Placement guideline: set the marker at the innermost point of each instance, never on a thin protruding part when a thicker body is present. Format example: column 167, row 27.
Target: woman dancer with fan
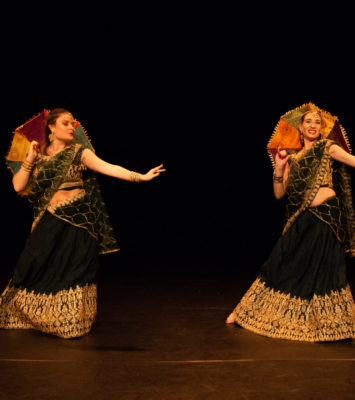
column 53, row 287
column 301, row 292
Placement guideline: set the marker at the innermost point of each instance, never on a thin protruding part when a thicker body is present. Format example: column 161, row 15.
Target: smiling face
column 311, row 126
column 63, row 129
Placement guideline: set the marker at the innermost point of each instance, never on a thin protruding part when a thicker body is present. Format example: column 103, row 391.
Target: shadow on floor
column 164, row 338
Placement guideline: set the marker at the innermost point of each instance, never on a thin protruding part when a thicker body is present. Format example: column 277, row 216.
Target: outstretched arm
column 93, row 162
column 339, row 154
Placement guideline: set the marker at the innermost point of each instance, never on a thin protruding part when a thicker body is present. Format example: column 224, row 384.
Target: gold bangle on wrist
column 27, row 166
column 135, row 177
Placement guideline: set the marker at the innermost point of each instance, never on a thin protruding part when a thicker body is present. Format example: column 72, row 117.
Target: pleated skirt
column 301, row 292
column 53, row 287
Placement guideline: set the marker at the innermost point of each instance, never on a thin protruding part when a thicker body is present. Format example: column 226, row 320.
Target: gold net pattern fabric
column 87, row 210
column 307, row 174
column 47, row 176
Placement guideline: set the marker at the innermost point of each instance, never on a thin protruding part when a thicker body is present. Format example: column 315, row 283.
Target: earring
column 50, row 137
column 301, row 139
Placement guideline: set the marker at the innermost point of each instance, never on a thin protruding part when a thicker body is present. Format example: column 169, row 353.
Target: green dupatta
column 305, row 178
column 87, row 210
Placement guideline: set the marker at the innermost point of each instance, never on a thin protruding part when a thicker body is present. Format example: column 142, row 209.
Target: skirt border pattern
column 327, row 317
column 67, row 313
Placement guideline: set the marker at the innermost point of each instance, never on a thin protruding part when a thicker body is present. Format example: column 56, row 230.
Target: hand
column 153, row 173
column 281, row 159
column 33, row 151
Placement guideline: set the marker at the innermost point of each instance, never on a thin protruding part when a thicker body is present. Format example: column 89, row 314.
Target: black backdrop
column 204, row 102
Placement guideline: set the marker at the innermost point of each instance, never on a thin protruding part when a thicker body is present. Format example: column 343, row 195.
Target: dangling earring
column 50, row 137
column 301, row 139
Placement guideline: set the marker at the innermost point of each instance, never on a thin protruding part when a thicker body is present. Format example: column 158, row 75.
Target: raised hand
column 281, row 159
column 33, row 151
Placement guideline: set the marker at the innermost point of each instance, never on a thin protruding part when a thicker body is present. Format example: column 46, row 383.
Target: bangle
column 27, row 166
column 278, row 179
column 135, row 177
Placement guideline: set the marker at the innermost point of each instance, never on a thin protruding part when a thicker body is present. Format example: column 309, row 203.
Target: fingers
column 35, row 145
column 282, row 159
column 283, row 153
column 155, row 172
column 33, row 151
column 159, row 169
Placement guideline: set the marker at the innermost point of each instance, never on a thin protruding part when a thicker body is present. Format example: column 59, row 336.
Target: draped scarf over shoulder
column 87, row 210
column 305, row 178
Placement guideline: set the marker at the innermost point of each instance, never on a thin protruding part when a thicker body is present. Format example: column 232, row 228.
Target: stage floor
column 164, row 339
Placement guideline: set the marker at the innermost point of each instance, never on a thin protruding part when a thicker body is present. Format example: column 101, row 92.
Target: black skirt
column 301, row 292
column 308, row 260
column 53, row 288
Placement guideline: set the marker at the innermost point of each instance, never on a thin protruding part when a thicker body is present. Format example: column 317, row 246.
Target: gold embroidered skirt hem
column 67, row 313
column 328, row 317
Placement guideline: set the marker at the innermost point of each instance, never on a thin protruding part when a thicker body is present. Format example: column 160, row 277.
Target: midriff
column 62, row 195
column 323, row 194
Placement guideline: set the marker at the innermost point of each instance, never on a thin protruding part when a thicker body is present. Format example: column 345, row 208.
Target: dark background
column 198, row 90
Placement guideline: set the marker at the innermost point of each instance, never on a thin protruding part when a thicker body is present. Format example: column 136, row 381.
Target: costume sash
column 306, row 175
column 87, row 210
column 47, row 176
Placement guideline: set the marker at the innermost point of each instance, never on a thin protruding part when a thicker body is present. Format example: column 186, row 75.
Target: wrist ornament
column 27, row 166
column 135, row 177
column 278, row 179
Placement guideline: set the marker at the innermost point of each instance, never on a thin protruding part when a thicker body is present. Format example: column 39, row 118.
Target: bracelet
column 135, row 177
column 27, row 166
column 278, row 179
column 26, row 169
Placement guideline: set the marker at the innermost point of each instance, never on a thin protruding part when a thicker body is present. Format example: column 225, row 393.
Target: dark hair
column 51, row 119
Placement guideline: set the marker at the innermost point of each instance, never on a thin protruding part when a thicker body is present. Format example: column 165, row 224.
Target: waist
column 331, row 201
column 71, row 185
column 65, row 197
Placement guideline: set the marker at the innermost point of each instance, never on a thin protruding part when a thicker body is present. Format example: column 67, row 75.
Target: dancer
column 53, row 287
column 301, row 292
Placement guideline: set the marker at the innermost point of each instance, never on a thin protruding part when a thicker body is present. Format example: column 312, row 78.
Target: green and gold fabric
column 86, row 210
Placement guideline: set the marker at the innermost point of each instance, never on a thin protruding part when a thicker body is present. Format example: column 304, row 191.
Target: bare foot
column 230, row 319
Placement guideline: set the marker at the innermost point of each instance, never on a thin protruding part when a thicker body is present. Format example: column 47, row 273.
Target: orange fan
column 286, row 134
